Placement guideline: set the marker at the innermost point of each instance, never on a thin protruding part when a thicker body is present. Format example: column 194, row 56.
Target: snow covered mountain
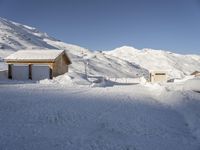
column 176, row 65
column 122, row 62
column 15, row 36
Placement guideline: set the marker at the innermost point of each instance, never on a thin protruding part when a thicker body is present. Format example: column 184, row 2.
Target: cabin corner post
column 9, row 71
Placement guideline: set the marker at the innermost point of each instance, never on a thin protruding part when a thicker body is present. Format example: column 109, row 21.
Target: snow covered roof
column 35, row 55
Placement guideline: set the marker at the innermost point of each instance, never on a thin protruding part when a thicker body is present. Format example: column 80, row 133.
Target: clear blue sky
column 105, row 24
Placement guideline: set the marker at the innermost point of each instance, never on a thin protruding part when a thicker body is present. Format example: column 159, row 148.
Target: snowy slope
column 126, row 62
column 98, row 63
column 175, row 64
column 51, row 117
column 15, row 36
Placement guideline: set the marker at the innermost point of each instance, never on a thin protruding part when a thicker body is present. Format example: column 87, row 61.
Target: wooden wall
column 60, row 66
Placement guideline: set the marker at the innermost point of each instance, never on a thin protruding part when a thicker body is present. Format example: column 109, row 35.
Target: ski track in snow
column 36, row 116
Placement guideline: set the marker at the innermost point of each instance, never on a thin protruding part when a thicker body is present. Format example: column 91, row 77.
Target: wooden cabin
column 196, row 73
column 158, row 76
column 37, row 64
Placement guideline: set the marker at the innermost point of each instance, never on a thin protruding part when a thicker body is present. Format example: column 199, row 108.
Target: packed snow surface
column 192, row 84
column 135, row 117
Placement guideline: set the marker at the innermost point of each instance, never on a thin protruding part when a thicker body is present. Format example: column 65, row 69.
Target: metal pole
column 85, row 63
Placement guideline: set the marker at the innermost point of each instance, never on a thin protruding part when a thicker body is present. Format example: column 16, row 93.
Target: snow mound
column 62, row 79
column 183, row 79
column 192, row 84
column 102, row 82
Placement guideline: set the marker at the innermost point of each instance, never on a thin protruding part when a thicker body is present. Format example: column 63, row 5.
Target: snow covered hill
column 15, row 36
column 176, row 65
column 123, row 62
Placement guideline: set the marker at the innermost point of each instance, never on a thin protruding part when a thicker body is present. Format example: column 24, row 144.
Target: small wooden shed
column 196, row 73
column 37, row 64
column 158, row 76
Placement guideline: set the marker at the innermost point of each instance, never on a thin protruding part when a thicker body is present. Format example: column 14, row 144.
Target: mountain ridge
column 177, row 65
column 15, row 36
column 125, row 61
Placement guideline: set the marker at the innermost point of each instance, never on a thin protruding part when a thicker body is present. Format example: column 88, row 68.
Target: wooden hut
column 37, row 64
column 158, row 76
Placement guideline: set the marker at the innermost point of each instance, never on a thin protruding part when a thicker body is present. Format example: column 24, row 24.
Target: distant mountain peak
column 126, row 49
column 177, row 65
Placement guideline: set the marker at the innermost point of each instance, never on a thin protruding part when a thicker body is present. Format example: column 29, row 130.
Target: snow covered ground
column 121, row 117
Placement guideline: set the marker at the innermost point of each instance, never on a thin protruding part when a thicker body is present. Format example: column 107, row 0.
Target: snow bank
column 108, row 82
column 62, row 79
column 183, row 79
column 192, row 84
column 155, row 89
column 101, row 82
column 68, row 79
column 126, row 80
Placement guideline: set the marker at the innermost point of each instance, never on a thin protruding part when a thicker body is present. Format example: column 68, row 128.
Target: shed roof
column 35, row 55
